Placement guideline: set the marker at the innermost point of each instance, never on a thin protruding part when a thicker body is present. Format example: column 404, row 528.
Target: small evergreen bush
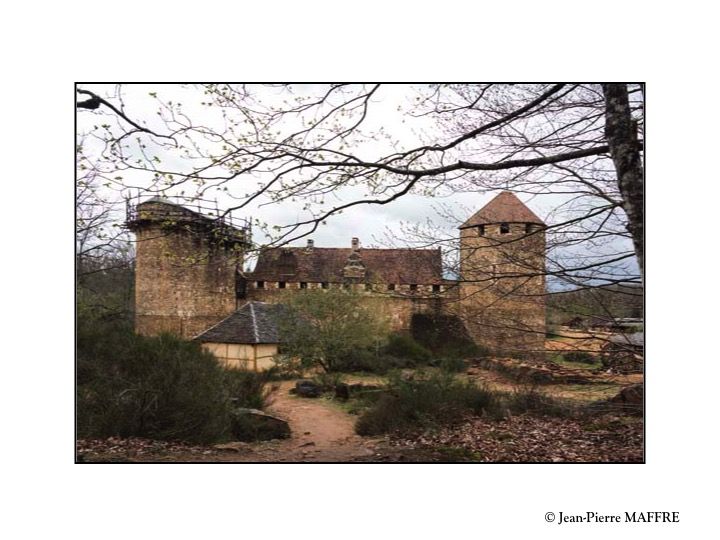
column 579, row 356
column 156, row 387
column 372, row 361
column 528, row 399
column 439, row 398
column 443, row 399
column 453, row 364
column 404, row 346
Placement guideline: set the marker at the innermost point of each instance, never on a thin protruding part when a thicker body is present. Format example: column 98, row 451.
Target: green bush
column 404, row 346
column 443, row 335
column 156, row 387
column 528, row 399
column 579, row 356
column 438, row 398
column 453, row 364
column 441, row 399
column 328, row 381
column 373, row 361
column 324, row 327
column 247, row 389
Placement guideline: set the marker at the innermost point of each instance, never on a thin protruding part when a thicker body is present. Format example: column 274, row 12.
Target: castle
column 189, row 274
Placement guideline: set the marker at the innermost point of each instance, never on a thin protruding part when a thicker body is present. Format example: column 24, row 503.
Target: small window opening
column 504, row 228
column 436, row 288
column 481, row 230
column 260, row 284
column 413, row 286
column 368, row 287
column 303, row 285
column 281, row 284
column 324, row 284
column 391, row 286
column 528, row 228
column 346, row 285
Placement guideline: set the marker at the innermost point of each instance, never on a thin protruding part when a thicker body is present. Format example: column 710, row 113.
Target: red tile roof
column 400, row 266
column 505, row 208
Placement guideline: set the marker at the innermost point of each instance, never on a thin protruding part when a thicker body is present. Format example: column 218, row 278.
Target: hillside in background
column 610, row 302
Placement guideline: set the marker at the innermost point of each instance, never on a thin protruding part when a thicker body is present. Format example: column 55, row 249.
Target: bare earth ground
column 577, row 340
column 320, row 432
column 323, row 432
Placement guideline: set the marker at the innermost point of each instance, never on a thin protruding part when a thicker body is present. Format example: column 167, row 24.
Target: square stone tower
column 502, row 277
column 186, row 270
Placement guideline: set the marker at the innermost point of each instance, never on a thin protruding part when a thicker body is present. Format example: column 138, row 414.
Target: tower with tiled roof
column 502, row 276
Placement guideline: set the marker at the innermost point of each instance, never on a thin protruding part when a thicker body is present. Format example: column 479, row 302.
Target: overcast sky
column 366, row 222
column 375, row 225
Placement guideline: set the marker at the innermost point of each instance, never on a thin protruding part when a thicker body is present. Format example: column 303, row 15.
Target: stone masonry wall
column 502, row 287
column 185, row 280
column 397, row 307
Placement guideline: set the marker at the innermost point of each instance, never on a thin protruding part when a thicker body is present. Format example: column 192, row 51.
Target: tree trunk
column 621, row 134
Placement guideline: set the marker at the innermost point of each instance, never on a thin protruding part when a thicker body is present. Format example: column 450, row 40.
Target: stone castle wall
column 186, row 281
column 502, row 287
column 185, row 275
column 397, row 307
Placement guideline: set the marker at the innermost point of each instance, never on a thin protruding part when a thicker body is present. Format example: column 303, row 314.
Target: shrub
column 443, row 335
column 247, row 389
column 442, row 399
column 156, row 387
column 373, row 362
column 404, row 346
column 453, row 364
column 439, row 398
column 528, row 399
column 288, row 367
column 322, row 327
column 328, row 381
column 579, row 356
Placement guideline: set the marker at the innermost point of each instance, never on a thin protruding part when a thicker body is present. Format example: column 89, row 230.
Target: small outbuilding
column 247, row 339
column 623, row 353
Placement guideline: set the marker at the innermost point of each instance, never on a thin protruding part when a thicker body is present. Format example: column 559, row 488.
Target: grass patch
column 567, row 360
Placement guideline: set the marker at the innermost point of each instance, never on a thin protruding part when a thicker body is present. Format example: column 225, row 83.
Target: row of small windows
column 505, row 229
column 326, row 285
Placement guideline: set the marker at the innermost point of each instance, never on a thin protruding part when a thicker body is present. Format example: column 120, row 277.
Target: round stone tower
column 502, row 277
column 186, row 269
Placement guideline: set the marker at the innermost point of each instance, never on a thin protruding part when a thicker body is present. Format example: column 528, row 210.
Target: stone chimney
column 310, row 244
column 355, row 244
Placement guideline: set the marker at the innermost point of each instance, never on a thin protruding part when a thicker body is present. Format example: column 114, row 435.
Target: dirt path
column 320, row 432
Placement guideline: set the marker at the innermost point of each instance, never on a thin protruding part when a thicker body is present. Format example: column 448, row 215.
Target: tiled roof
column 255, row 322
column 400, row 266
column 505, row 208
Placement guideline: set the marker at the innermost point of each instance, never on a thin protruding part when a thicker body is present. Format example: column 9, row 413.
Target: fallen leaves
column 128, row 449
column 528, row 439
